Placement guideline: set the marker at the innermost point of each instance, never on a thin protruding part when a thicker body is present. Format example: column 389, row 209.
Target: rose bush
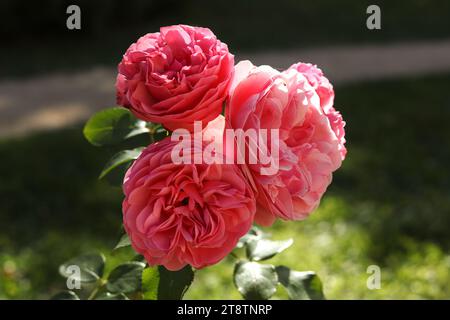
column 175, row 77
column 178, row 215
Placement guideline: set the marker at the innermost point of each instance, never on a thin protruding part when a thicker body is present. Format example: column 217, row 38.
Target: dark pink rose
column 175, row 77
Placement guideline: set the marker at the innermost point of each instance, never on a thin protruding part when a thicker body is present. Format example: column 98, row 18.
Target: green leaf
column 126, row 277
column 139, row 258
column 65, row 295
column 123, row 242
column 111, row 296
column 255, row 281
column 116, row 176
column 150, row 283
column 263, row 249
column 174, row 284
column 112, row 126
column 159, row 133
column 300, row 285
column 119, row 159
column 253, row 233
column 91, row 267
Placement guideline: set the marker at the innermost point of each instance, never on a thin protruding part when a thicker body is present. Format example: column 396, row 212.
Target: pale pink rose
column 264, row 98
column 324, row 89
column 175, row 77
column 178, row 214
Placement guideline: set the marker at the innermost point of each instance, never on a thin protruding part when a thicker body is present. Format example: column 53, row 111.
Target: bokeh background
column 389, row 204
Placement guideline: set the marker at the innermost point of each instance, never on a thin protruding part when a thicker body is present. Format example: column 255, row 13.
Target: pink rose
column 175, row 77
column 263, row 98
column 178, row 214
column 325, row 91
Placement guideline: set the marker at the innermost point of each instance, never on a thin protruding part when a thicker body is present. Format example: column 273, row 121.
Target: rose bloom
column 175, row 77
column 324, row 89
column 178, row 214
column 309, row 147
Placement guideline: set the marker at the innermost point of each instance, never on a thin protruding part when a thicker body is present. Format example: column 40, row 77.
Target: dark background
column 36, row 30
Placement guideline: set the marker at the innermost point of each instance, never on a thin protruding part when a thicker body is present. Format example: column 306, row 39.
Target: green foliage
column 150, row 283
column 300, row 285
column 126, row 277
column 262, row 249
column 91, row 267
column 174, row 284
column 255, row 281
column 123, row 242
column 112, row 126
column 125, row 280
column 253, row 233
column 120, row 158
column 260, row 281
column 65, row 295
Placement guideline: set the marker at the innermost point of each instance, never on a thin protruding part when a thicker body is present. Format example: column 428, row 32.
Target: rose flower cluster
column 195, row 213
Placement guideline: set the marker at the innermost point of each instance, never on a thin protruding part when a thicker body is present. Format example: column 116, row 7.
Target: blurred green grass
column 389, row 204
